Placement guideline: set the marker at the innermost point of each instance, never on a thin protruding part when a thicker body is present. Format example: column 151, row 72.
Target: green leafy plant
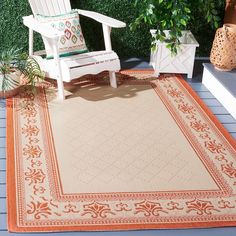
column 175, row 16
column 14, row 61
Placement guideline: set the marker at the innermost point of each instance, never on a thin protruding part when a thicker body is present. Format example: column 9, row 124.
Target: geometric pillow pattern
column 72, row 42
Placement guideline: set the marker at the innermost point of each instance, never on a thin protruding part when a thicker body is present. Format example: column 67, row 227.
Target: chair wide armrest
column 102, row 19
column 42, row 29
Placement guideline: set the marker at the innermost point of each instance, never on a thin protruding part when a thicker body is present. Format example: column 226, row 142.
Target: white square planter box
column 163, row 62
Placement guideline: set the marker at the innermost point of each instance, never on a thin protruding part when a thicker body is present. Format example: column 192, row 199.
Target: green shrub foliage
column 125, row 42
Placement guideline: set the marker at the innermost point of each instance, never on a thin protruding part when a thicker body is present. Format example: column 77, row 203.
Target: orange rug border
column 212, row 117
column 11, row 187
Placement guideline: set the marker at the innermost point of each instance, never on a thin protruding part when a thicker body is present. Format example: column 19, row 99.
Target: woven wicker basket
column 223, row 52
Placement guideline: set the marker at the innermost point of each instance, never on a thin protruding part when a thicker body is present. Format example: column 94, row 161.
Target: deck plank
column 3, row 208
column 2, row 113
column 205, row 95
column 226, row 119
column 233, row 135
column 198, row 87
column 3, row 222
column 2, row 122
column 2, row 192
column 3, row 132
column 219, row 111
column 2, row 178
column 2, row 164
column 230, row 127
column 212, row 102
column 2, row 152
column 2, row 142
column 2, row 103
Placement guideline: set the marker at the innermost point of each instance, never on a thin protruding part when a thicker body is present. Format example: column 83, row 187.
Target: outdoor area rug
column 146, row 155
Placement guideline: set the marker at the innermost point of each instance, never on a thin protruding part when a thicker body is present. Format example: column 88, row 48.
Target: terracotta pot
column 230, row 12
column 9, row 93
column 223, row 51
column 14, row 89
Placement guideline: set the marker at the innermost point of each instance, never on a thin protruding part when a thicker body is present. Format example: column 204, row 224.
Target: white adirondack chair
column 71, row 67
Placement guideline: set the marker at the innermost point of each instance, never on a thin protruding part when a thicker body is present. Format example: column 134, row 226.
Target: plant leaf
column 187, row 10
column 183, row 22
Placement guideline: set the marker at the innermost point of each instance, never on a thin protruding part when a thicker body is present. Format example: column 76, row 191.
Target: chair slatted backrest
column 50, row 7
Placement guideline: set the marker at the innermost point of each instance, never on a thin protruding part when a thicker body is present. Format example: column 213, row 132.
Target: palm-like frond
column 31, row 70
column 12, row 60
column 8, row 56
column 9, row 83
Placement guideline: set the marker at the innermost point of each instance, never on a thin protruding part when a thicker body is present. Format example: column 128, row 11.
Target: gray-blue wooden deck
column 220, row 112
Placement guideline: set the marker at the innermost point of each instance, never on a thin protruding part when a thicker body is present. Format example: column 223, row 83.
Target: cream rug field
column 146, row 155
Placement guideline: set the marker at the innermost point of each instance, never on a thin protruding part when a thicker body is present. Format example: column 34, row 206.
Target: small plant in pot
column 175, row 16
column 17, row 68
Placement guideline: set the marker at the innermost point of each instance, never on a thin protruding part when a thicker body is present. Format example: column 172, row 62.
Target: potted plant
column 173, row 46
column 17, row 68
column 175, row 16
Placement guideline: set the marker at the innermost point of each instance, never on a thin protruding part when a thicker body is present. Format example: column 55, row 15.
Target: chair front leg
column 54, row 45
column 108, row 47
column 113, row 81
